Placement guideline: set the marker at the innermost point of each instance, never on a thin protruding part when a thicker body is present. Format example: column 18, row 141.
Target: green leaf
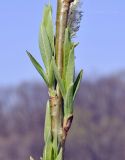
column 67, row 47
column 51, row 75
column 45, row 47
column 55, row 147
column 47, row 154
column 70, row 68
column 38, row 67
column 58, row 78
column 68, row 101
column 47, row 126
column 59, row 157
column 48, row 23
column 77, row 83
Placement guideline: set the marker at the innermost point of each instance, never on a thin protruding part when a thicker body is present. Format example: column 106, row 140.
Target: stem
column 61, row 24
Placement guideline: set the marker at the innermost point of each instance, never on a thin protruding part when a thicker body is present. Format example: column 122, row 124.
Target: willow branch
column 61, row 24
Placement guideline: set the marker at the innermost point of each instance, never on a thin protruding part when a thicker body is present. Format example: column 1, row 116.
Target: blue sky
column 102, row 38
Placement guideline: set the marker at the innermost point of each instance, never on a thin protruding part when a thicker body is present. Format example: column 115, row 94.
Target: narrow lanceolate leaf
column 58, row 78
column 70, row 68
column 48, row 23
column 66, row 48
column 55, row 147
column 38, row 68
column 68, row 102
column 51, row 75
column 59, row 157
column 45, row 47
column 77, row 83
column 47, row 127
column 47, row 153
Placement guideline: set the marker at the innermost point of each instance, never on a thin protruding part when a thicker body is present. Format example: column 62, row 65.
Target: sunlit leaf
column 47, row 153
column 70, row 68
column 48, row 23
column 55, row 147
column 47, row 127
column 59, row 157
column 38, row 68
column 51, row 74
column 66, row 48
column 45, row 47
column 68, row 101
column 58, row 78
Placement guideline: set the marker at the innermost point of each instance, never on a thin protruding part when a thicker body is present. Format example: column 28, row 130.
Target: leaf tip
column 28, row 53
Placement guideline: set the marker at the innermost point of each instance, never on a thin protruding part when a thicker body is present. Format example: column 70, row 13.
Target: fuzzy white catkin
column 74, row 17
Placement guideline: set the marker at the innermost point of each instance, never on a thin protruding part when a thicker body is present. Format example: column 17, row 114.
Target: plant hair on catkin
column 74, row 17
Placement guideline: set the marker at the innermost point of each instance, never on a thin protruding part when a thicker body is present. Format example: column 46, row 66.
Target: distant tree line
column 98, row 132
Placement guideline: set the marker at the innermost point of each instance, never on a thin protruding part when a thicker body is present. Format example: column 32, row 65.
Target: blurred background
column 98, row 130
